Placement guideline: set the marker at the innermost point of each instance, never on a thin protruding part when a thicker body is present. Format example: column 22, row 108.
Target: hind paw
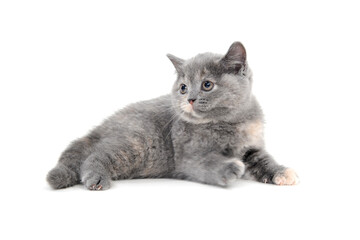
column 96, row 187
column 96, row 182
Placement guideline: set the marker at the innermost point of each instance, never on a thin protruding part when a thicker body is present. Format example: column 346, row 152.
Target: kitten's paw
column 286, row 177
column 234, row 169
column 96, row 182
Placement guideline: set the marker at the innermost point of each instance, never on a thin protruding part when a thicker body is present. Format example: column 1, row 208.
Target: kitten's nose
column 191, row 101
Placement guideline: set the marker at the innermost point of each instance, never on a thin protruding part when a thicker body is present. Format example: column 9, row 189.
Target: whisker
column 178, row 116
column 171, row 119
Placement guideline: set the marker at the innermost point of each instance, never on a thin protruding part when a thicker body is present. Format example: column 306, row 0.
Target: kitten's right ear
column 177, row 62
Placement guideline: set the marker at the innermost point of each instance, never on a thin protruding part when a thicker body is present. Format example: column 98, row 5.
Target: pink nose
column 191, row 101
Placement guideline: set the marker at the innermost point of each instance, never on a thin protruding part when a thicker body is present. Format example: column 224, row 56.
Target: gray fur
column 212, row 141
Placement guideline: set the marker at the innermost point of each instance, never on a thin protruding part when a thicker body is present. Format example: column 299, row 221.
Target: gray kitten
column 209, row 130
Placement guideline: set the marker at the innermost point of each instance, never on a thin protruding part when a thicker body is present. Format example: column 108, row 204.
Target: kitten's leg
column 214, row 169
column 67, row 171
column 263, row 168
column 95, row 173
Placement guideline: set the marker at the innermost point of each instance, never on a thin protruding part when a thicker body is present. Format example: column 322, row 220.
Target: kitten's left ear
column 177, row 62
column 235, row 58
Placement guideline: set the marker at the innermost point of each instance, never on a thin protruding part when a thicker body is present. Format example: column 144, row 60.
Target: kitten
column 209, row 130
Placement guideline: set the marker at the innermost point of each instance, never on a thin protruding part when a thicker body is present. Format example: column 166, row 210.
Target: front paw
column 233, row 169
column 286, row 177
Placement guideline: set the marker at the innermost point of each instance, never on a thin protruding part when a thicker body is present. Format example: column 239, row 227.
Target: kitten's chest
column 220, row 137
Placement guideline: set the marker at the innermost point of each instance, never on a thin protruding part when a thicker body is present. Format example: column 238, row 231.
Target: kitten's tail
column 62, row 177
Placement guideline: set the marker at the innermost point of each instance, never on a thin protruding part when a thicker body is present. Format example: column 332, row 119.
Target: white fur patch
column 194, row 118
column 187, row 108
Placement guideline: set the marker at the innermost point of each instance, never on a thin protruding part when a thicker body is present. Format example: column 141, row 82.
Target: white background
column 67, row 65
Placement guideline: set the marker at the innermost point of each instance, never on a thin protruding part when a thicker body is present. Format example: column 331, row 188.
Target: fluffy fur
column 208, row 130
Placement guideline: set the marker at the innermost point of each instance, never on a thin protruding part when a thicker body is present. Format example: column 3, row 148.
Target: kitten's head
column 211, row 87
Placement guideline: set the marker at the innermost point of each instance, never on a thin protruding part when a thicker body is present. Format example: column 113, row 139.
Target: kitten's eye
column 207, row 85
column 183, row 89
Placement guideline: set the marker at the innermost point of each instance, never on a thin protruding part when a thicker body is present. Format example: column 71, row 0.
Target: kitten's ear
column 235, row 58
column 177, row 62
